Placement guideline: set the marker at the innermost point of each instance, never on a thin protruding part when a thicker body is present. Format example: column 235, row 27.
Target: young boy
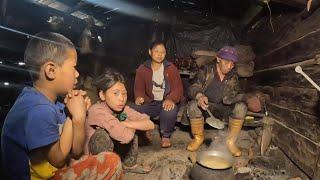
column 38, row 137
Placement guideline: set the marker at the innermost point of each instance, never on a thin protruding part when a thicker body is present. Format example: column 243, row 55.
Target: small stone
column 241, row 162
column 295, row 178
column 253, row 134
column 243, row 170
column 245, row 143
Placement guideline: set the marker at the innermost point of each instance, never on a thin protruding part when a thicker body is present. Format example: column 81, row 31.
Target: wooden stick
column 291, row 42
column 315, row 61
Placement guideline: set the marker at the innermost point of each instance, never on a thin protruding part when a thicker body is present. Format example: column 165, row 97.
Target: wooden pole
column 3, row 9
column 315, row 61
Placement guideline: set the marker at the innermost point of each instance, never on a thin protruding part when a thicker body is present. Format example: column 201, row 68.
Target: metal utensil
column 266, row 131
column 214, row 122
column 216, row 159
column 299, row 70
column 266, row 134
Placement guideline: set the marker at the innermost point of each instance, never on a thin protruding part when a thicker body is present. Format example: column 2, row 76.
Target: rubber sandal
column 165, row 143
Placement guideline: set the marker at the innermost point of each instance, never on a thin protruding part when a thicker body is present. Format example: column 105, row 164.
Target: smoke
column 219, row 142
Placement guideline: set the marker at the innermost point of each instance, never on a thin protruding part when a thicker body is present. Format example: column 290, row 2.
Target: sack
column 245, row 69
column 254, row 104
column 199, row 53
column 203, row 60
column 245, row 53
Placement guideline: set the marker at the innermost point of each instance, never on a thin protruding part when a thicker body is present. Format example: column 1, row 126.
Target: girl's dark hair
column 157, row 42
column 107, row 79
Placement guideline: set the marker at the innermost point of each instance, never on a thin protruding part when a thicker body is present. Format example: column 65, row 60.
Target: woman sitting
column 158, row 90
column 111, row 125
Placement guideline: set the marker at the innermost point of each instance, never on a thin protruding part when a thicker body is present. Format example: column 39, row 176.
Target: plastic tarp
column 208, row 37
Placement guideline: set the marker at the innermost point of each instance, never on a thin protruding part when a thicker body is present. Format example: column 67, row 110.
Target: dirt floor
column 177, row 163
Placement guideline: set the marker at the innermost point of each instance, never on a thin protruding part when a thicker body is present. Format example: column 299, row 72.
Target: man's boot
column 235, row 126
column 197, row 128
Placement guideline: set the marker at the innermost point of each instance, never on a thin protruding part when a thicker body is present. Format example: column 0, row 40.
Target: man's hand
column 202, row 101
column 168, row 105
column 139, row 101
column 77, row 105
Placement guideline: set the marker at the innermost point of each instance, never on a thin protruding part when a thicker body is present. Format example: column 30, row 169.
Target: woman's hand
column 168, row 105
column 139, row 101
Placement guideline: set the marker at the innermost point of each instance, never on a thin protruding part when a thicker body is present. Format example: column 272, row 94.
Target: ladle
column 299, row 70
column 214, row 122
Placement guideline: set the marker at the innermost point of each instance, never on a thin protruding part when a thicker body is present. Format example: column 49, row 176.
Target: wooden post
column 3, row 8
column 250, row 15
column 316, row 174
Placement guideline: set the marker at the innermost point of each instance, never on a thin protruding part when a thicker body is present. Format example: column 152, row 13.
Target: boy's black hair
column 156, row 42
column 107, row 79
column 44, row 47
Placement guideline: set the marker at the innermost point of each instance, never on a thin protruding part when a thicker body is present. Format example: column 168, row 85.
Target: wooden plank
column 294, row 3
column 3, row 8
column 316, row 174
column 287, row 77
column 251, row 14
column 305, row 47
column 303, row 123
column 290, row 89
column 300, row 150
column 301, row 99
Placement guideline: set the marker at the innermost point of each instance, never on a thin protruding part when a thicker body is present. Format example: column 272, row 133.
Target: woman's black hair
column 157, row 42
column 107, row 79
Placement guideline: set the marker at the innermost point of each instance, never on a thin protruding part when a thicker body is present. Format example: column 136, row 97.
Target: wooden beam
column 251, row 14
column 316, row 174
column 76, row 7
column 305, row 47
column 3, row 8
column 287, row 77
column 300, row 99
column 12, row 46
column 293, row 3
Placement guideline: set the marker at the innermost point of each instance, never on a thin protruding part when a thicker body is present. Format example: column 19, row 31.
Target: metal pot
column 216, row 159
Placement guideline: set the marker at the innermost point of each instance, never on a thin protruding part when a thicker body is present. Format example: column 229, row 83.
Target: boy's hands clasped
column 77, row 103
